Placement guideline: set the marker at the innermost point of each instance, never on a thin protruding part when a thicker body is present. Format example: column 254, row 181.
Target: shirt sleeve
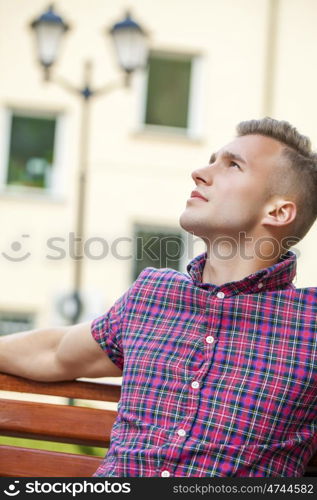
column 106, row 330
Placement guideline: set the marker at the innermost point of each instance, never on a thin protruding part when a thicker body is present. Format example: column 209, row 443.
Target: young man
column 220, row 364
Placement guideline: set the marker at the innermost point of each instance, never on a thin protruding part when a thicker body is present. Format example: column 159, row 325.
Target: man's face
column 235, row 185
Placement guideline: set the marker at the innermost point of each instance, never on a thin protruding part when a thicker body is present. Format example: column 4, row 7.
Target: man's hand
column 63, row 353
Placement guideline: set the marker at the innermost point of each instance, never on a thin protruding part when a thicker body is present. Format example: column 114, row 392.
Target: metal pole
column 81, row 192
column 270, row 57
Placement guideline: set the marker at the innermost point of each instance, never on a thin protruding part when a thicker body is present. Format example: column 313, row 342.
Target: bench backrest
column 62, row 423
column 54, row 422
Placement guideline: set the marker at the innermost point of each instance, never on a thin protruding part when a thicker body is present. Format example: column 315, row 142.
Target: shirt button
column 209, row 339
column 195, row 384
column 260, row 285
column 181, row 432
column 165, row 473
column 220, row 295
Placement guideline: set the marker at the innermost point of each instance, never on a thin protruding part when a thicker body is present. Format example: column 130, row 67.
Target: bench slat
column 67, row 424
column 26, row 462
column 75, row 389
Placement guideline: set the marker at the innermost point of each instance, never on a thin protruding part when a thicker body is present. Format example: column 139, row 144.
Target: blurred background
column 113, row 167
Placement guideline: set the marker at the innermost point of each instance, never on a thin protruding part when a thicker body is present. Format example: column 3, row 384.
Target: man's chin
column 190, row 226
column 185, row 223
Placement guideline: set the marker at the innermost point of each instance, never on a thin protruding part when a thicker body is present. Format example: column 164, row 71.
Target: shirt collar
column 276, row 277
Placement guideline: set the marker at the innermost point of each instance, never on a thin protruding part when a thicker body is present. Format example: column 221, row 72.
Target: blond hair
column 296, row 175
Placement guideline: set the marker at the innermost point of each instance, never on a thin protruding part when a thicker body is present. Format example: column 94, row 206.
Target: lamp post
column 131, row 48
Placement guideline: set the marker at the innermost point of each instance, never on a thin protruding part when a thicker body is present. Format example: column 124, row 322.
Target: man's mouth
column 197, row 194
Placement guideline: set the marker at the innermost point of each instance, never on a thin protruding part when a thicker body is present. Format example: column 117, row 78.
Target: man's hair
column 296, row 175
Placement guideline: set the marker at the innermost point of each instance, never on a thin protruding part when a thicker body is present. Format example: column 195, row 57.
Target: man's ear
column 279, row 213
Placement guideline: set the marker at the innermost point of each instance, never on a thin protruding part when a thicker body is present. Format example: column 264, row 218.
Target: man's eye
column 234, row 164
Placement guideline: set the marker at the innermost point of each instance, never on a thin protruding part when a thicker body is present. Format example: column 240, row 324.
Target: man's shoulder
column 157, row 282
column 304, row 295
column 157, row 276
column 305, row 291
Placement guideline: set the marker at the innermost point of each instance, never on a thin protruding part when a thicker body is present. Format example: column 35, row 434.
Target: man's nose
column 203, row 175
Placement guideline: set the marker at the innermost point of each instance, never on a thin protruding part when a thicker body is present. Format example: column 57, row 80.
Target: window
column 173, row 93
column 11, row 322
column 157, row 247
column 31, row 151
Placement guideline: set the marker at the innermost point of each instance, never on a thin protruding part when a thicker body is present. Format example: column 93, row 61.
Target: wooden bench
column 62, row 423
column 54, row 422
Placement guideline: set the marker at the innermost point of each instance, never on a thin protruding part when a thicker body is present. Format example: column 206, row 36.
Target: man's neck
column 229, row 262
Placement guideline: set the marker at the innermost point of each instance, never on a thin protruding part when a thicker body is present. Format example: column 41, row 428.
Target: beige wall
column 136, row 175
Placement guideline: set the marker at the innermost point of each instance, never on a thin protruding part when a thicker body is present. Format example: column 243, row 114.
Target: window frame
column 152, row 227
column 194, row 127
column 30, row 318
column 57, row 187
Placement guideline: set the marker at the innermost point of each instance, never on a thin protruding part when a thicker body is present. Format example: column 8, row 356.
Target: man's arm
column 62, row 353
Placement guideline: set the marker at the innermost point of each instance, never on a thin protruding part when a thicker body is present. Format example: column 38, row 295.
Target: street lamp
column 130, row 42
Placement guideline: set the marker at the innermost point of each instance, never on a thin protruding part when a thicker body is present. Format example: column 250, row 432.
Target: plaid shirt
column 217, row 380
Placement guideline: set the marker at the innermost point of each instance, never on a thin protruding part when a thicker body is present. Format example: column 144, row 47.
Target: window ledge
column 158, row 132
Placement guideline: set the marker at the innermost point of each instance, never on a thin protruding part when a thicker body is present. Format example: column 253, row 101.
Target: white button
column 165, row 473
column 220, row 295
column 181, row 432
column 209, row 339
column 195, row 384
column 260, row 285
